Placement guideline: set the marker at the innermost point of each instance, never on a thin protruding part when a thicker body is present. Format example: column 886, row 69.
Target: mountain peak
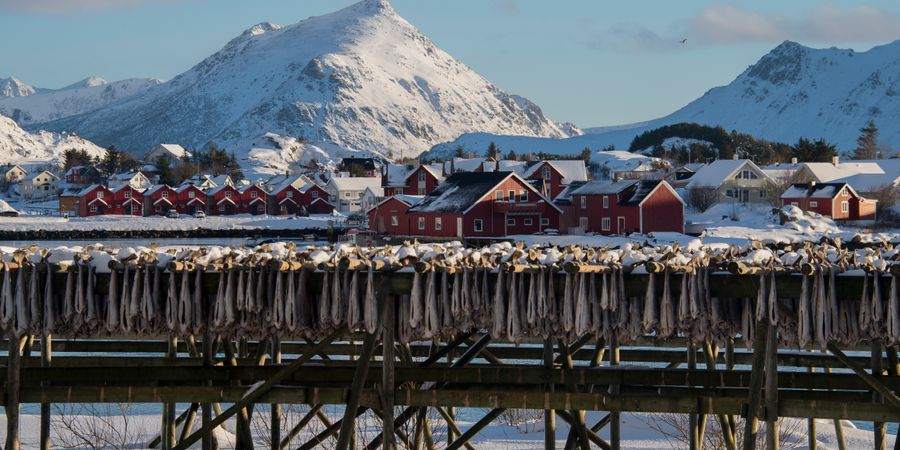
column 375, row 7
column 88, row 82
column 13, row 87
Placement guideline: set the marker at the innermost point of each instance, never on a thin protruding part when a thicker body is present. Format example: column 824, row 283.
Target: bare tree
column 97, row 427
column 675, row 428
column 702, row 198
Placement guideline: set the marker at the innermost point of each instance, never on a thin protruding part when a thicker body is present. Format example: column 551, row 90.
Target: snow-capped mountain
column 12, row 87
column 18, row 146
column 359, row 79
column 793, row 91
column 43, row 105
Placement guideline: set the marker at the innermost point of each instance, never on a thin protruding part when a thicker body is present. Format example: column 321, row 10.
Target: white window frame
column 128, row 194
column 422, row 223
column 478, row 225
column 545, row 222
column 795, row 204
column 437, row 224
column 498, row 196
column 165, row 194
column 845, row 206
column 813, row 204
column 421, row 190
column 545, row 172
column 421, row 176
column 289, row 194
column 527, row 222
column 227, row 194
column 510, row 221
column 605, row 201
column 583, row 201
column 605, row 223
column 315, row 194
column 253, row 194
column 93, row 208
column 512, row 195
column 395, row 222
column 523, row 196
column 100, row 194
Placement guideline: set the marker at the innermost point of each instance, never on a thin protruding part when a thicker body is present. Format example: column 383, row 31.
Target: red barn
column 223, row 200
column 485, row 204
column 624, row 207
column 289, row 200
column 390, row 216
column 95, row 200
column 127, row 200
column 190, row 199
column 253, row 200
column 556, row 175
column 836, row 200
column 159, row 199
column 399, row 179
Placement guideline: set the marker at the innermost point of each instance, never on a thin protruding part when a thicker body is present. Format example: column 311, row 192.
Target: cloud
column 507, row 6
column 725, row 24
column 68, row 6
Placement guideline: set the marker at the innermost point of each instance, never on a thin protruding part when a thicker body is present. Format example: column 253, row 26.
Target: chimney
column 812, row 183
column 835, row 160
column 794, row 160
column 734, row 156
column 452, row 166
column 497, row 166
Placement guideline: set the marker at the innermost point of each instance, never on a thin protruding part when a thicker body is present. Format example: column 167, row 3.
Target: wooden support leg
column 46, row 359
column 838, row 427
column 878, row 371
column 729, row 365
column 694, row 442
column 209, row 441
column 13, row 380
column 359, row 380
column 812, row 441
column 772, row 442
column 244, row 439
column 757, row 375
column 591, row 434
column 451, row 424
column 727, row 433
column 549, row 414
column 276, row 408
column 894, row 371
column 189, row 416
column 388, row 327
column 474, row 429
column 299, row 426
column 169, row 430
column 254, row 394
column 615, row 430
column 578, row 428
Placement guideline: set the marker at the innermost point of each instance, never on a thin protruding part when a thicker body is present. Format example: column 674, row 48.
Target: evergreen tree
column 586, row 154
column 511, row 155
column 111, row 162
column 867, row 142
column 459, row 152
column 234, row 168
column 166, row 175
column 493, row 151
column 809, row 151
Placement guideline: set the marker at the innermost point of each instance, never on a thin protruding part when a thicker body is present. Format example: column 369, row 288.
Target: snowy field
column 639, row 431
column 128, row 223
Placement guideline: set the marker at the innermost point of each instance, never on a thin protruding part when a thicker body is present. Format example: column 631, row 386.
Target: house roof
column 505, row 165
column 90, row 188
column 601, row 187
column 870, row 182
column 630, row 192
column 565, row 196
column 717, row 172
column 365, row 163
column 462, row 190
column 395, row 174
column 814, row 190
column 463, row 165
column 156, row 188
column 410, row 200
column 125, row 176
column 32, row 176
column 174, row 149
column 571, row 170
column 354, row 183
column 80, row 170
column 690, row 167
column 376, row 191
column 119, row 188
column 212, row 191
column 825, row 172
column 7, row 167
column 288, row 181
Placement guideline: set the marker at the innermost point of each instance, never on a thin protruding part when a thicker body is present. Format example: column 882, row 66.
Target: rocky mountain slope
column 18, row 146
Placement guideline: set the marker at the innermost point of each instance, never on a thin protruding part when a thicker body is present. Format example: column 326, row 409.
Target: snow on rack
column 130, row 223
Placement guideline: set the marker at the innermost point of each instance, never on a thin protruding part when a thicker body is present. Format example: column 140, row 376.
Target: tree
column 702, row 198
column 73, row 157
column 586, row 154
column 867, row 142
column 511, row 155
column 813, row 151
column 111, row 162
column 459, row 152
column 493, row 151
column 166, row 175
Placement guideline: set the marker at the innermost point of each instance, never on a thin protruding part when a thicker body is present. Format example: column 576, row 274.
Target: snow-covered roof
column 34, row 175
column 354, row 183
column 870, row 182
column 505, row 166
column 90, row 188
column 691, row 167
column 125, row 176
column 395, row 174
column 600, row 187
column 460, row 191
column 212, row 191
column 5, row 208
column 185, row 187
column 376, row 191
column 411, row 200
column 813, row 190
column 566, row 194
column 571, row 170
column 623, row 161
column 155, row 188
column 119, row 188
column 463, row 165
column 7, row 167
column 825, row 171
column 717, row 172
column 287, row 181
column 175, row 150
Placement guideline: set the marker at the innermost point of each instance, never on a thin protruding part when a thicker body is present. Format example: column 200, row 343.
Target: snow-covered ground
column 129, row 223
column 639, row 431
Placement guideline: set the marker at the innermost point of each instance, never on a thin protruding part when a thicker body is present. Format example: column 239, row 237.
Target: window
column 512, row 196
column 583, row 201
column 421, row 223
column 523, row 196
column 545, row 172
column 394, row 220
column 421, row 176
column 221, row 207
column 606, row 201
column 165, row 194
column 93, row 208
column 227, row 194
column 127, row 194
column 604, row 224
column 583, row 223
column 795, row 204
column 347, row 194
column 191, row 194
column 479, row 225
column 813, row 204
column 253, row 194
column 763, row 194
column 511, row 222
column 845, row 191
column 283, row 209
column 421, row 190
column 845, row 206
column 527, row 222
column 315, row 194
column 748, row 175
column 100, row 194
column 290, row 194
column 437, row 224
column 545, row 222
column 134, row 209
column 729, row 193
column 498, row 195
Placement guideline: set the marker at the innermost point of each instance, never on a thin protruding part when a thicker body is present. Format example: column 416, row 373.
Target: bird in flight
column 684, row 41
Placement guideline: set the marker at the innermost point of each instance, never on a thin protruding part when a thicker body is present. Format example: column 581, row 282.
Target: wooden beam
column 615, row 433
column 695, row 442
column 46, row 360
column 169, row 429
column 727, row 433
column 549, row 414
column 591, row 434
column 772, row 442
column 256, row 393
column 244, row 438
column 275, row 423
column 874, row 383
column 388, row 330
column 308, row 417
column 877, row 370
column 13, row 375
column 757, row 375
column 188, row 417
column 475, row 428
column 359, row 379
column 451, row 424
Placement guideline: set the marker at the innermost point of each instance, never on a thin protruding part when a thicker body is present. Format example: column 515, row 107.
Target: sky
column 593, row 63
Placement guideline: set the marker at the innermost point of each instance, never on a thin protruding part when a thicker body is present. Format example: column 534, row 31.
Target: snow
column 18, row 146
column 717, row 172
column 571, row 170
column 602, row 187
column 5, row 207
column 130, row 223
column 13, row 88
column 807, row 191
column 360, row 80
column 870, row 181
column 342, row 184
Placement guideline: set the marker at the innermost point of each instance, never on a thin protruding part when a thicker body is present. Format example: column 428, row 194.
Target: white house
column 173, row 152
column 733, row 179
column 345, row 193
column 39, row 186
column 371, row 197
column 12, row 173
column 206, row 181
column 137, row 180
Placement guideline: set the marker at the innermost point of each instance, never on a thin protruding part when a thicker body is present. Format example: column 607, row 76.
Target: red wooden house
column 127, row 200
column 223, row 200
column 95, row 200
column 836, row 200
column 253, row 200
column 190, row 199
column 623, row 207
column 390, row 216
column 485, row 204
column 159, row 199
column 82, row 176
column 399, row 179
column 289, row 200
column 556, row 175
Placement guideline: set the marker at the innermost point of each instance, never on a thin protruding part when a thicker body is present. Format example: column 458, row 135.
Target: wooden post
column 359, row 380
column 451, row 424
column 578, row 429
column 169, row 430
column 894, row 371
column 812, row 442
column 727, row 432
column 13, row 380
column 694, row 442
column 729, row 365
column 615, row 424
column 474, row 429
column 209, row 441
column 243, row 437
column 276, row 407
column 838, row 427
column 46, row 359
column 757, row 375
column 313, row 411
column 549, row 414
column 188, row 418
column 772, row 389
column 878, row 371
column 388, row 327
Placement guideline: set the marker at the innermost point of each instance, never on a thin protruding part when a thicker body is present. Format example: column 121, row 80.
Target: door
column 459, row 227
column 620, row 225
column 583, row 224
column 745, row 196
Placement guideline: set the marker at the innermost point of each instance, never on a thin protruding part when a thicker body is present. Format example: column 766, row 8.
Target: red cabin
column 556, row 175
column 624, row 207
column 390, row 216
column 320, row 206
column 95, row 200
column 223, row 200
column 483, row 204
column 400, row 179
column 127, row 200
column 254, row 200
column 159, row 199
column 836, row 200
column 190, row 199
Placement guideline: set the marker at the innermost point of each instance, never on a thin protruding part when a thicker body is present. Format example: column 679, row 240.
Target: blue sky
column 586, row 61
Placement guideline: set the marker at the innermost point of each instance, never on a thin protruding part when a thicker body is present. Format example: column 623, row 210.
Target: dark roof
column 637, row 192
column 630, row 192
column 460, row 191
column 813, row 190
column 364, row 163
